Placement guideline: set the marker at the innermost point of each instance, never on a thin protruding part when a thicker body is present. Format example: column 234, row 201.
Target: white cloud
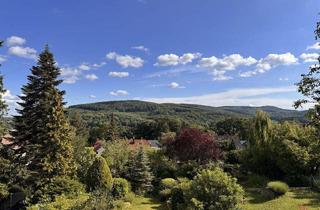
column 98, row 65
column 70, row 75
column 24, row 52
column 87, row 66
column 141, row 48
column 230, row 62
column 173, row 59
column 11, row 101
column 220, row 75
column 2, row 58
column 15, row 40
column 119, row 93
column 219, row 66
column 309, row 57
column 92, row 96
column 271, row 61
column 315, row 46
column 175, row 85
column 84, row 67
column 236, row 97
column 119, row 74
column 126, row 60
column 91, row 77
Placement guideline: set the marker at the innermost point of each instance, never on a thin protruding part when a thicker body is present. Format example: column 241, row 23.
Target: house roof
column 154, row 143
column 135, row 144
column 7, row 140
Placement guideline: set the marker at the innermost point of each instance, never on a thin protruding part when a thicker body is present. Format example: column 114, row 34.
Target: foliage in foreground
column 121, row 188
column 278, row 187
column 214, row 189
column 139, row 172
column 100, row 177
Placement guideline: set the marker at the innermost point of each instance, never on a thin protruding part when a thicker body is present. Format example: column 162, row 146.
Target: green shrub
column 121, row 187
column 279, row 188
column 98, row 200
column 99, row 176
column 47, row 191
column 188, row 169
column 168, row 183
column 161, row 166
column 62, row 202
column 178, row 194
column 4, row 193
column 214, row 189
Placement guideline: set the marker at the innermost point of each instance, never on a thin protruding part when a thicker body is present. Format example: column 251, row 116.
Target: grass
column 144, row 203
column 294, row 199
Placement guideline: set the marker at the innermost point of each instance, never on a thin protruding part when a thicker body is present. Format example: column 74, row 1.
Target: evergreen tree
column 99, row 177
column 140, row 173
column 41, row 129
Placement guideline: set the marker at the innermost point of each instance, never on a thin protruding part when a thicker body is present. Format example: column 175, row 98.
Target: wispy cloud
column 119, row 74
column 315, row 46
column 71, row 75
column 309, row 57
column 141, row 48
column 236, row 97
column 119, row 93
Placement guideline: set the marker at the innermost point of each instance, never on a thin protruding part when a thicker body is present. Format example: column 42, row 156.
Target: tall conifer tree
column 41, row 129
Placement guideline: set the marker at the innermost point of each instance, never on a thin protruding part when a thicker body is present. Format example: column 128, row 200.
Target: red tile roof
column 135, row 144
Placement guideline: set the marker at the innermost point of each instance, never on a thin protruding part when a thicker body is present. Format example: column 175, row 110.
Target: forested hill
column 132, row 111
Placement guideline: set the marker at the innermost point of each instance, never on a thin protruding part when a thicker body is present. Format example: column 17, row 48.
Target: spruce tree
column 41, row 129
column 140, row 173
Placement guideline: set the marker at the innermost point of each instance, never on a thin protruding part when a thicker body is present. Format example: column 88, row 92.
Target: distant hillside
column 128, row 112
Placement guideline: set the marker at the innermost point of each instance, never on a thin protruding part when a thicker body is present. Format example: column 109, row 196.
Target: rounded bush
column 168, row 183
column 120, row 188
column 214, row 189
column 279, row 188
column 58, row 186
column 4, row 193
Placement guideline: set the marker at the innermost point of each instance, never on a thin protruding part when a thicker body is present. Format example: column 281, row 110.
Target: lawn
column 144, row 203
column 296, row 198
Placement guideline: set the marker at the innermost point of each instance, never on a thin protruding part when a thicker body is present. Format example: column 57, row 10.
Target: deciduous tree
column 194, row 144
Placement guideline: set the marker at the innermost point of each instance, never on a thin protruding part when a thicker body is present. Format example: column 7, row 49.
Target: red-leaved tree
column 193, row 144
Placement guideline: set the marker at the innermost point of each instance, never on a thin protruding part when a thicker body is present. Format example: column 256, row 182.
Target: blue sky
column 211, row 52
